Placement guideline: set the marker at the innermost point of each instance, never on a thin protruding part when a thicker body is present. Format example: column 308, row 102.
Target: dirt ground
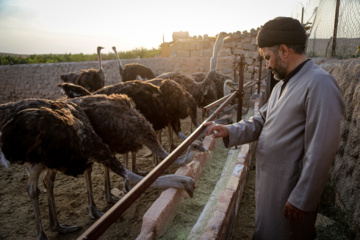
column 17, row 216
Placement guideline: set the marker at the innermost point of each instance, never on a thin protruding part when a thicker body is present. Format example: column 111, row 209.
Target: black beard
column 278, row 76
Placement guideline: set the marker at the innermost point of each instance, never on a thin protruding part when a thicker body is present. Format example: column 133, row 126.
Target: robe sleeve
column 324, row 108
column 246, row 131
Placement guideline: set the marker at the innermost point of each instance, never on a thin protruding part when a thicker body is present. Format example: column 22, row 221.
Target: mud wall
column 346, row 168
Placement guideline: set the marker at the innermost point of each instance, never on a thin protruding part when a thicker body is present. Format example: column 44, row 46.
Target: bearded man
column 298, row 132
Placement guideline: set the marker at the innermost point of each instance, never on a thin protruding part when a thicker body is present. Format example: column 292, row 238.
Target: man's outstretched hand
column 218, row 130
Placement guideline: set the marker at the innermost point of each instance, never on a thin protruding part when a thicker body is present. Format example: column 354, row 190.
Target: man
column 298, row 132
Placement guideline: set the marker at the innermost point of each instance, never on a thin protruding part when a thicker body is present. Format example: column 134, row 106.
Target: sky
column 79, row 26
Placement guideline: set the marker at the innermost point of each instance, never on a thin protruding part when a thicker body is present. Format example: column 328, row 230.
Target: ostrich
column 223, row 83
column 198, row 76
column 161, row 105
column 183, row 101
column 90, row 79
column 58, row 136
column 203, row 92
column 175, row 91
column 124, row 130
column 111, row 124
column 133, row 71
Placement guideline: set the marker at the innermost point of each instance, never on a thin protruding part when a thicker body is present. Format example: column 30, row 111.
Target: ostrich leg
column 171, row 138
column 93, row 210
column 134, row 168
column 54, row 223
column 33, row 172
column 107, row 194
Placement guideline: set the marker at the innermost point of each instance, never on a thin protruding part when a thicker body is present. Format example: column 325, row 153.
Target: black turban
column 281, row 30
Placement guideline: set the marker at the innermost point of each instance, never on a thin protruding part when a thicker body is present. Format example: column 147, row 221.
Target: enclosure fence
column 335, row 27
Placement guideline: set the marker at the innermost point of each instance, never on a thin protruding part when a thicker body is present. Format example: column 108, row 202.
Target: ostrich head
column 72, row 90
column 229, row 86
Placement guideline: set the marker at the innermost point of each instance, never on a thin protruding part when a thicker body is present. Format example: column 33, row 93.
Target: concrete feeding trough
column 216, row 219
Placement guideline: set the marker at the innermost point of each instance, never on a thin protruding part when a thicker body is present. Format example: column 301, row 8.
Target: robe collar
column 291, row 74
column 295, row 71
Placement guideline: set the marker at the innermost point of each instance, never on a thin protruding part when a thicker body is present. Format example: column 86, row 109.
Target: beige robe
column 298, row 135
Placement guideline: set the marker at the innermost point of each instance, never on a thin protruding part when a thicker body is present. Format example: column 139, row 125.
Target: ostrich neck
column 121, row 70
column 156, row 148
column 213, row 63
column 166, row 181
column 99, row 58
column 186, row 158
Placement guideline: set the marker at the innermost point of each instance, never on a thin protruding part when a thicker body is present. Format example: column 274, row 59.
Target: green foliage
column 79, row 57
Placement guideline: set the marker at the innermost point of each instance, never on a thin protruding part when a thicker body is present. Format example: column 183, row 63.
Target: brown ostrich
column 90, row 79
column 104, row 124
column 133, row 71
column 58, row 136
column 161, row 105
column 203, row 92
column 182, row 100
column 124, row 130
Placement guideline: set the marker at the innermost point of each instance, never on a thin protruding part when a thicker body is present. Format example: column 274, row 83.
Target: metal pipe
column 219, row 109
column 260, row 69
column 219, row 101
column 241, row 89
column 216, row 103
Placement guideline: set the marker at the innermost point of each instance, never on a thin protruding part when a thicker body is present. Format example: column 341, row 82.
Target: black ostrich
column 58, row 136
column 133, row 71
column 204, row 92
column 179, row 100
column 158, row 104
column 110, row 123
column 90, row 79
column 124, row 129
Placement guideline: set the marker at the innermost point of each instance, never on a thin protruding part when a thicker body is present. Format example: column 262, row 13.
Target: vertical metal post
column 241, row 87
column 260, row 69
column 235, row 67
column 302, row 15
column 335, row 28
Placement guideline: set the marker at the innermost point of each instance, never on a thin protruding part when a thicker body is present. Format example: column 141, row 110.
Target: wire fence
column 332, row 33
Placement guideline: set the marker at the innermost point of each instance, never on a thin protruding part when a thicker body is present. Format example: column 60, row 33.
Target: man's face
column 274, row 63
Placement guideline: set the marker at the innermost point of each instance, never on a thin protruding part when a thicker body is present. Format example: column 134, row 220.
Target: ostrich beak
column 204, row 149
